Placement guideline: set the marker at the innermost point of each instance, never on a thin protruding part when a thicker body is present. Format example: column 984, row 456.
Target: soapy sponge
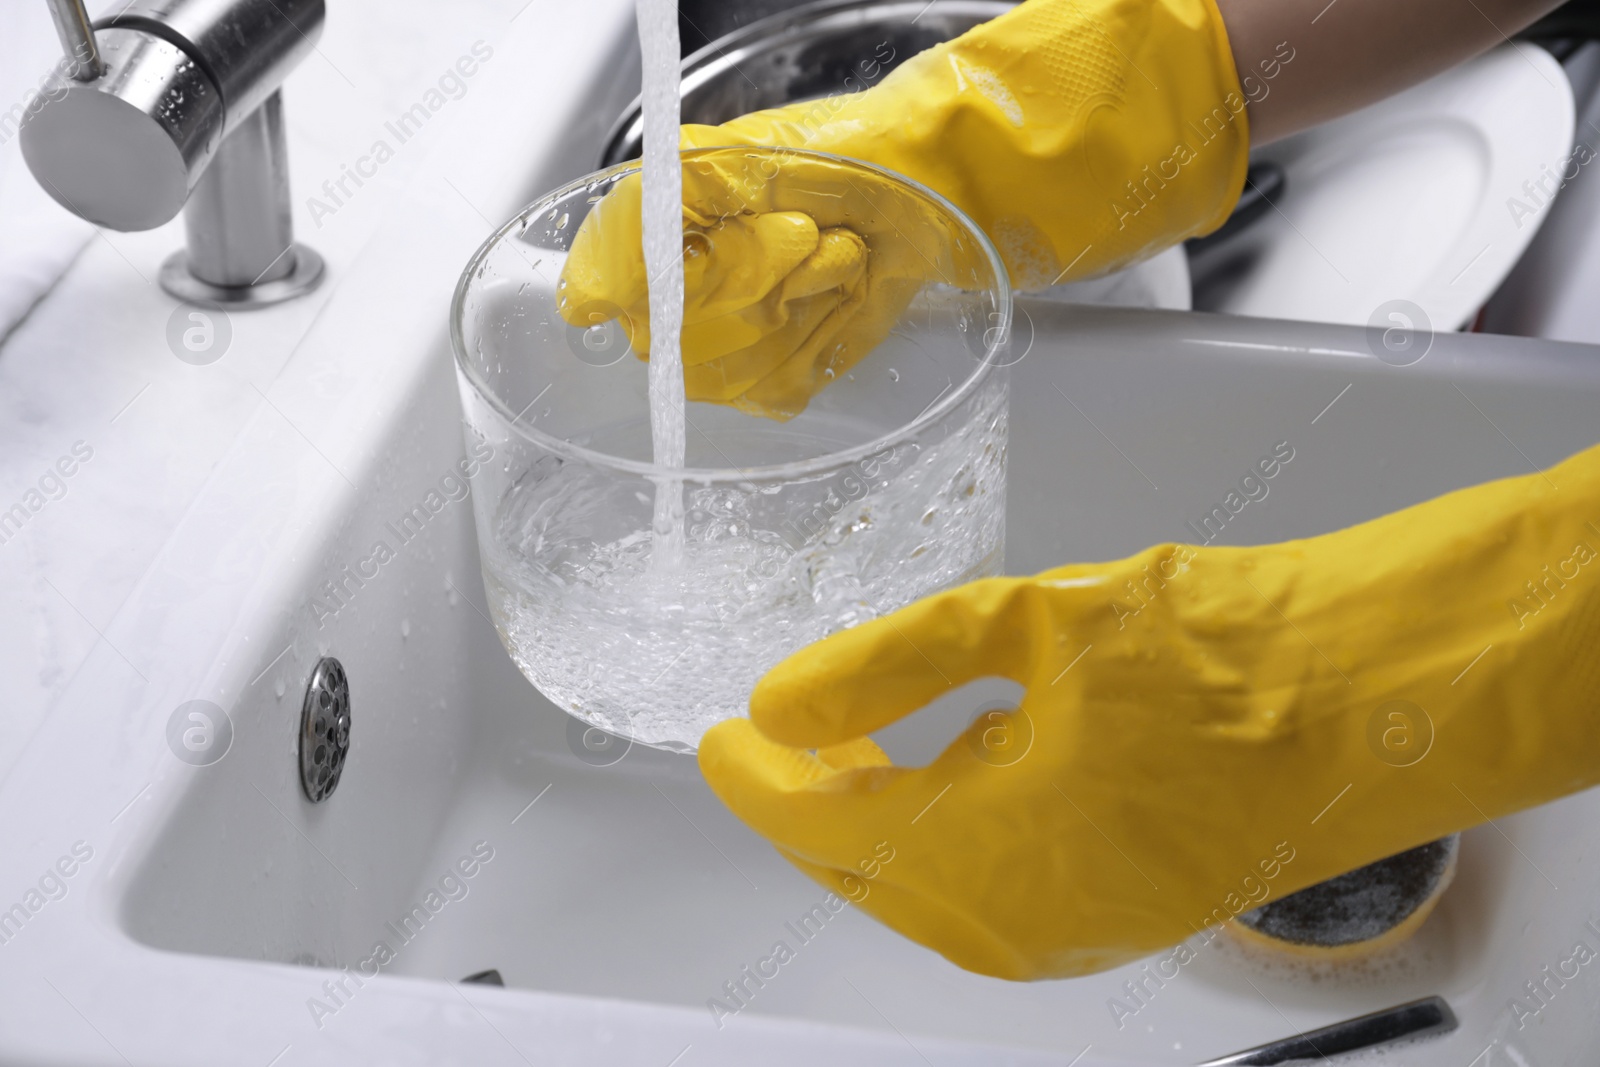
column 1364, row 911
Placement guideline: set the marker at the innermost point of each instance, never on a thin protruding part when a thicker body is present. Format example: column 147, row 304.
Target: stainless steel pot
column 836, row 46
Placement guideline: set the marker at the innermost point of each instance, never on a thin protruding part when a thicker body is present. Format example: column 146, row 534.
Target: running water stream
column 663, row 258
column 655, row 634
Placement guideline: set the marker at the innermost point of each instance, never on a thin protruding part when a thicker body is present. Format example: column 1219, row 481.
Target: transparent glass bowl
column 888, row 487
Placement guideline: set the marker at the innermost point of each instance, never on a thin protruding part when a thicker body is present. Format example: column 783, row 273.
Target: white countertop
column 91, row 366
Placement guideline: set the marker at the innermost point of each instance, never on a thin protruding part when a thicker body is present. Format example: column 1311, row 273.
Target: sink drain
column 324, row 729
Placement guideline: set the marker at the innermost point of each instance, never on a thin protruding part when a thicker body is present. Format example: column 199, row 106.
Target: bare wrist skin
column 1350, row 53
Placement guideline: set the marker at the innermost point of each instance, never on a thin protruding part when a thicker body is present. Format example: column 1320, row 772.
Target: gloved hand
column 1204, row 728
column 791, row 275
column 1080, row 135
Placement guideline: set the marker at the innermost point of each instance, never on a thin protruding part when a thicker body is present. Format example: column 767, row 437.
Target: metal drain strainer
column 324, row 729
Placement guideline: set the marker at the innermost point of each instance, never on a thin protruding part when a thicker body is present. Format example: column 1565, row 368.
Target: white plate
column 1414, row 198
column 1162, row 281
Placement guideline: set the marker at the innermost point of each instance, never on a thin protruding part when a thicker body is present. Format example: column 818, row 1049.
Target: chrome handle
column 77, row 39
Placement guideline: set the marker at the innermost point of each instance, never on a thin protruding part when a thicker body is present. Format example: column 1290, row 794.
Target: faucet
column 173, row 105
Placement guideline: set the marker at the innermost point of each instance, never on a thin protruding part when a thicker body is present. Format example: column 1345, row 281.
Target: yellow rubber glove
column 1080, row 135
column 791, row 275
column 1203, row 728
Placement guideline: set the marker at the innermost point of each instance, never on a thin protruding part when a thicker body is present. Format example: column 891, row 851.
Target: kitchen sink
column 607, row 886
column 214, row 914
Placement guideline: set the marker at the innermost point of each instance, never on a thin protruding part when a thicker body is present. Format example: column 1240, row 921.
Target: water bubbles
column 697, row 243
column 767, row 568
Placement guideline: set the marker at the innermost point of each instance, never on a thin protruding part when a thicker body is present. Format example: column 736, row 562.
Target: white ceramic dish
column 1415, row 198
column 1551, row 293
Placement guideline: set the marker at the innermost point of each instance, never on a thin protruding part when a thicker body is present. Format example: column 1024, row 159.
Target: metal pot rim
column 728, row 51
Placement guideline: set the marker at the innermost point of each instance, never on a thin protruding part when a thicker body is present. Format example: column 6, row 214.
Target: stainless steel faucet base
column 240, row 250
column 306, row 274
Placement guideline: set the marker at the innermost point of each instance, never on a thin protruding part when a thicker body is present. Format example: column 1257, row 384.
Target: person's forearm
column 1350, row 53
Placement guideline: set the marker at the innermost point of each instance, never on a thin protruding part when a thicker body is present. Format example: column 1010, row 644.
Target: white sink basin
column 217, row 907
column 620, row 898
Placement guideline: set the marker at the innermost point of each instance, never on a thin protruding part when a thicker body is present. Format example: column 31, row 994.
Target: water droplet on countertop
column 405, row 629
column 894, row 375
